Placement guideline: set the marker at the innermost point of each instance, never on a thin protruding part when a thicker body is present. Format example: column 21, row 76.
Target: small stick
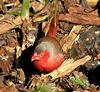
column 6, row 26
column 68, row 66
column 83, row 19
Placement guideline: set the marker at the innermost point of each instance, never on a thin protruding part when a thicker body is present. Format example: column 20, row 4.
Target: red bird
column 48, row 54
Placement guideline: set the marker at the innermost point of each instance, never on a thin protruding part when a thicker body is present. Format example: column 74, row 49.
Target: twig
column 6, row 26
column 68, row 66
column 71, row 37
column 83, row 19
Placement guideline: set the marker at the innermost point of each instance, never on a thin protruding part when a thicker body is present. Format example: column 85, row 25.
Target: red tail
column 53, row 27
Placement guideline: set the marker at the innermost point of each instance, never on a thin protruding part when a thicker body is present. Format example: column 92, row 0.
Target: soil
column 17, row 42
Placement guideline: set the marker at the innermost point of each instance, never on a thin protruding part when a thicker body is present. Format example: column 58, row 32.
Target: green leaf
column 43, row 88
column 16, row 13
column 25, row 8
column 79, row 81
column 46, row 2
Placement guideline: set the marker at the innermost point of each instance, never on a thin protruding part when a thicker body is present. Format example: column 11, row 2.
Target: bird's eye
column 41, row 54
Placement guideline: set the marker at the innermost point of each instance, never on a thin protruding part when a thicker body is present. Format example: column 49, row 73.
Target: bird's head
column 43, row 56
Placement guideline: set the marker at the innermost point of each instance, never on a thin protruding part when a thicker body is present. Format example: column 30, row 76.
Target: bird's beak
column 35, row 59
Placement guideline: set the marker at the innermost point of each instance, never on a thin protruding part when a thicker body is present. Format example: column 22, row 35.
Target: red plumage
column 48, row 54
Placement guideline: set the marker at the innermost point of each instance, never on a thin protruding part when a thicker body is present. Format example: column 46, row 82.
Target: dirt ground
column 78, row 33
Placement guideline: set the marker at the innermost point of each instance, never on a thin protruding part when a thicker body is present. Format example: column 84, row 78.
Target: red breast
column 53, row 56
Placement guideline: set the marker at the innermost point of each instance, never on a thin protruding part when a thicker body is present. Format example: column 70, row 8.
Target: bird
column 48, row 54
